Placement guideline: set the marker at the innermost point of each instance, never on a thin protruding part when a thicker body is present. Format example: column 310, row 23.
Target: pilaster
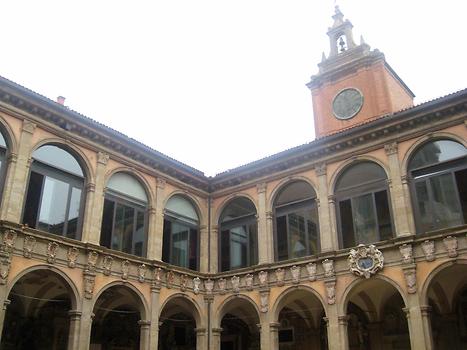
column 214, row 248
column 144, row 329
column 154, row 317
column 415, row 320
column 204, row 249
column 327, row 232
column 201, row 338
column 157, row 231
column 73, row 333
column 264, row 241
column 274, row 335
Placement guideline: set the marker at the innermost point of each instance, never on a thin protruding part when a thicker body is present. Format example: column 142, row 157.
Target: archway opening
column 447, row 298
column 376, row 317
column 37, row 317
column 301, row 322
column 117, row 311
column 177, row 325
column 239, row 326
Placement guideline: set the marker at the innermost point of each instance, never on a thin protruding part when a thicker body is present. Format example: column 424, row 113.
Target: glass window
column 238, row 235
column 363, row 205
column 180, row 241
column 438, row 172
column 55, row 191
column 296, row 224
column 124, row 216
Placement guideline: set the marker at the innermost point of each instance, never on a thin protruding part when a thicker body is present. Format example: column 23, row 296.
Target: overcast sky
column 215, row 83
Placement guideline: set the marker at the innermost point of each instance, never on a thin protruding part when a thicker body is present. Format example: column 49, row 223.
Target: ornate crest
column 72, row 256
column 264, row 301
column 249, row 281
column 52, row 248
column 406, row 253
column 330, row 291
column 311, row 269
column 196, row 284
column 328, row 266
column 157, row 277
column 183, row 282
column 222, row 282
column 280, row 273
column 29, row 244
column 89, row 281
column 142, row 272
column 107, row 264
column 295, row 271
column 5, row 265
column 365, row 261
column 209, row 286
column 9, row 238
column 125, row 269
column 92, row 260
column 450, row 243
column 169, row 279
column 263, row 278
column 428, row 248
column 235, row 284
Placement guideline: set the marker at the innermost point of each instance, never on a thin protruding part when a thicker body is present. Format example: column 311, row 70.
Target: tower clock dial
column 347, row 103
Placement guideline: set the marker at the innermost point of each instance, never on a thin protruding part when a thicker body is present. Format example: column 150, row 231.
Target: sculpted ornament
column 183, row 282
column 365, row 261
column 5, row 264
column 221, row 283
column 125, row 269
column 406, row 253
column 209, row 286
column 263, row 278
column 157, row 277
column 249, row 281
column 311, row 269
column 235, row 284
column 169, row 279
column 280, row 273
column 411, row 280
column 29, row 244
column 107, row 264
column 9, row 239
column 328, row 266
column 142, row 273
column 89, row 281
column 330, row 291
column 264, row 301
column 72, row 256
column 52, row 248
column 295, row 271
column 196, row 284
column 92, row 260
column 450, row 243
column 428, row 248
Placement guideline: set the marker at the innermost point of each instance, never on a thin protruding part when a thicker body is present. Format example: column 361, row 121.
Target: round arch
column 281, row 299
column 192, row 199
column 196, row 314
column 76, row 152
column 283, row 183
column 144, row 308
column 9, row 136
column 424, row 139
column 350, row 162
column 71, row 286
column 222, row 310
column 230, row 198
column 138, row 176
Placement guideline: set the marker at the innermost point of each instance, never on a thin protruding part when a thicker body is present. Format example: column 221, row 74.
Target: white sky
column 216, row 83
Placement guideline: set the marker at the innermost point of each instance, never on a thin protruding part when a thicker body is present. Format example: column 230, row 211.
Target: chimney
column 61, row 100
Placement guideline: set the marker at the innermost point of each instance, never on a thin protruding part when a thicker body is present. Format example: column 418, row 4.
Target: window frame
column 362, row 189
column 72, row 180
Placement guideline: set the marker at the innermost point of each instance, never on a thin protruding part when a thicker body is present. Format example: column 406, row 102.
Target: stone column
column 204, row 249
column 73, row 333
column 158, row 230
column 328, row 237
column 144, row 330
column 216, row 338
column 87, row 316
column 16, row 181
column 155, row 311
column 413, row 311
column 265, row 332
column 152, row 237
column 264, row 241
column 270, row 230
column 95, row 193
column 201, row 341
column 274, row 335
column 426, row 311
column 336, row 329
column 401, row 208
column 214, row 248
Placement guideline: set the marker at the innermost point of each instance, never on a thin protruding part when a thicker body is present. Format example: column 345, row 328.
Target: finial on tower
column 338, row 17
column 340, row 34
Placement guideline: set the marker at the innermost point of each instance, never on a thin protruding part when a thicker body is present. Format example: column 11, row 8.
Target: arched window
column 296, row 230
column 55, row 192
column 124, row 217
column 438, row 173
column 363, row 205
column 238, row 235
column 181, row 232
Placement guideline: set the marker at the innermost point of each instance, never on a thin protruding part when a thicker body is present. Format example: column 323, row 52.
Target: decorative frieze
column 311, row 269
column 52, row 249
column 330, row 287
column 221, row 282
column 107, row 265
column 249, row 281
column 8, row 241
column 365, row 261
column 93, row 256
column 410, row 275
column 280, row 274
column 196, row 285
column 209, row 286
column 235, row 280
column 72, row 256
column 263, row 278
column 406, row 253
column 295, row 272
column 142, row 273
column 89, row 279
column 428, row 248
column 328, row 266
column 450, row 243
column 28, row 246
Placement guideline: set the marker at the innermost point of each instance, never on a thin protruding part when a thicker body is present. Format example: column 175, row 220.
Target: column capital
column 75, row 315
column 426, row 310
column 90, row 187
column 320, row 169
column 200, row 331
column 28, row 126
column 102, row 158
column 160, row 183
column 343, row 320
column 391, row 148
column 261, row 187
column 144, row 323
column 12, row 158
column 216, row 332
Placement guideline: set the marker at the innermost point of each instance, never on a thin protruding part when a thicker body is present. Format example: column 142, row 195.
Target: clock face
column 347, row 103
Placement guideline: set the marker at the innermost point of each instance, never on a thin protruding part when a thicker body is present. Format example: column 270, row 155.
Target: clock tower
column 354, row 84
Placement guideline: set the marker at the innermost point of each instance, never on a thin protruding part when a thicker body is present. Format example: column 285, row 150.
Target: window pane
column 252, row 244
column 423, row 203
column 294, row 192
column 384, row 216
column 179, row 245
column 281, row 234
column 128, row 227
column 311, row 217
column 181, row 206
column 436, row 152
column 107, row 221
column 119, row 225
column 238, row 247
column 347, row 231
column 166, row 241
column 58, row 158
column 53, row 206
column 225, row 250
column 193, row 256
column 238, row 207
column 33, row 198
column 296, row 225
column 461, row 179
column 73, row 212
column 128, row 185
column 364, row 219
column 139, row 237
column 360, row 174
column 446, row 210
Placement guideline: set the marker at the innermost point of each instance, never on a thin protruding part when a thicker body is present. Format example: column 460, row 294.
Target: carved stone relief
column 196, row 285
column 125, row 269
column 5, row 264
column 157, row 277
column 52, row 249
column 72, row 256
column 249, row 281
column 28, row 248
column 107, row 264
column 428, row 248
column 311, row 269
column 365, row 261
column 89, row 282
column 450, row 243
column 209, row 286
column 263, row 278
column 92, row 260
column 9, row 239
column 280, row 274
column 222, row 284
column 235, row 284
column 406, row 253
column 183, row 282
column 295, row 271
column 410, row 275
column 328, row 266
column 330, row 291
column 142, row 273
column 264, row 301
column 169, row 279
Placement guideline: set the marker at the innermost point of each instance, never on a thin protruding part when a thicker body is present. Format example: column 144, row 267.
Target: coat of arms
column 365, row 261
